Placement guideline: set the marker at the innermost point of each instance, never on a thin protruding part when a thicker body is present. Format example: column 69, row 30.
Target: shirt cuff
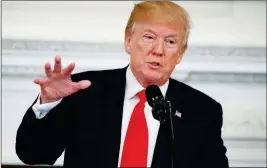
column 40, row 110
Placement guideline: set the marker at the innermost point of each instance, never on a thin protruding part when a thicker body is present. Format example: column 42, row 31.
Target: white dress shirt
column 130, row 100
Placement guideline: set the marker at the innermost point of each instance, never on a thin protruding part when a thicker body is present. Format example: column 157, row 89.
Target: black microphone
column 156, row 100
column 161, row 109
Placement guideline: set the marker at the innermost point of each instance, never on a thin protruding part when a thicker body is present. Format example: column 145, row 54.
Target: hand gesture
column 57, row 83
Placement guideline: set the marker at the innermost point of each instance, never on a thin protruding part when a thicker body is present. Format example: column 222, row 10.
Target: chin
column 152, row 76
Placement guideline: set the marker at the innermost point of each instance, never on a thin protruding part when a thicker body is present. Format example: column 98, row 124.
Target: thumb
column 84, row 84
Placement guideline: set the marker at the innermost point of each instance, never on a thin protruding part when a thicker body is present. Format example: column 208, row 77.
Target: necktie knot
column 142, row 95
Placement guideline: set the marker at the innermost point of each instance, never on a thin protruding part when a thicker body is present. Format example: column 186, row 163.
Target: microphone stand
column 168, row 103
column 161, row 109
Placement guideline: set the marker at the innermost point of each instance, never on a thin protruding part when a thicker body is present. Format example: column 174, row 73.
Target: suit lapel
column 112, row 121
column 176, row 95
column 163, row 149
column 162, row 152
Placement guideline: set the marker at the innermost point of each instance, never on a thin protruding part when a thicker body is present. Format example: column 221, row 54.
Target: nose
column 158, row 49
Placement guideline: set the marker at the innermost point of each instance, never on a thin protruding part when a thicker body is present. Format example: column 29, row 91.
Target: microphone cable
column 172, row 131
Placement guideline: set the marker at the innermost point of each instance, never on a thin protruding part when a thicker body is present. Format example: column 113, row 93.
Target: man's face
column 155, row 49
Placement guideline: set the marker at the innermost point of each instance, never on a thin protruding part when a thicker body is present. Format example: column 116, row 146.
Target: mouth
column 154, row 64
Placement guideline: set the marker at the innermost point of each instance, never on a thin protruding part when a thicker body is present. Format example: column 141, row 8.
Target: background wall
column 214, row 23
column 226, row 59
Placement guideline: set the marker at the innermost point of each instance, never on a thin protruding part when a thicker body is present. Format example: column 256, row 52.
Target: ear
column 181, row 53
column 127, row 43
column 179, row 59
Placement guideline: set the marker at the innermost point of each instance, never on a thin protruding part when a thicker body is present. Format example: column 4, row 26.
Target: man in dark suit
column 102, row 118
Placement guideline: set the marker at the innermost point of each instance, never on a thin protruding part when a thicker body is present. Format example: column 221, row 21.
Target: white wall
column 1, row 78
column 214, row 23
column 221, row 23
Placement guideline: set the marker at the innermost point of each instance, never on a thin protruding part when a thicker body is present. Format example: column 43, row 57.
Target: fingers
column 67, row 71
column 48, row 71
column 80, row 85
column 84, row 84
column 57, row 66
column 39, row 81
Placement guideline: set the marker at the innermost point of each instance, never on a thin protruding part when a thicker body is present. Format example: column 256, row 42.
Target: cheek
column 143, row 48
column 170, row 62
column 138, row 54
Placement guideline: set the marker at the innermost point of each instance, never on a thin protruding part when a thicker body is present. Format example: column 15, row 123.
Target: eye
column 148, row 38
column 171, row 41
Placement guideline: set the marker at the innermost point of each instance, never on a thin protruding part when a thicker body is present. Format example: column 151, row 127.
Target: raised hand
column 57, row 83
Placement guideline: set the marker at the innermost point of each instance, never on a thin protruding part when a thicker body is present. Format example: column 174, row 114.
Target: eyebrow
column 154, row 32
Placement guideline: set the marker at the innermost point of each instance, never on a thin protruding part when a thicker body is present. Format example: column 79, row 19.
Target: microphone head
column 153, row 93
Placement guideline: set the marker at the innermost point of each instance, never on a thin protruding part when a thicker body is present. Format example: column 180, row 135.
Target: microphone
column 156, row 100
column 161, row 109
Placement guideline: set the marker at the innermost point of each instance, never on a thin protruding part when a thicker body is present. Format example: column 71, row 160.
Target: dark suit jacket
column 87, row 125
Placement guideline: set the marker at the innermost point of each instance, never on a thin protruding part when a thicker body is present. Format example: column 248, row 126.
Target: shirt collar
column 133, row 86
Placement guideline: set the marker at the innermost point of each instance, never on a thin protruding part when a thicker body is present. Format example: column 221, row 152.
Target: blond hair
column 162, row 11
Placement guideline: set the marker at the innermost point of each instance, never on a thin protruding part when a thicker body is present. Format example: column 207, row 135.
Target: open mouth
column 154, row 65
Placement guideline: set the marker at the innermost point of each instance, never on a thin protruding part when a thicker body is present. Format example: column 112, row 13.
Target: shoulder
column 96, row 75
column 194, row 99
column 191, row 93
column 102, row 81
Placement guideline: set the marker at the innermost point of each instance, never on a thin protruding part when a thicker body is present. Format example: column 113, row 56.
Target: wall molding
column 25, row 58
column 24, row 45
column 18, row 71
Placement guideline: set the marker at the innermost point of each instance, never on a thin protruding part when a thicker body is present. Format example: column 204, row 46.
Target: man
column 102, row 119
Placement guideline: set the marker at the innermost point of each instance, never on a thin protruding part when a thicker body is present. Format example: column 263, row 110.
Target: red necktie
column 135, row 147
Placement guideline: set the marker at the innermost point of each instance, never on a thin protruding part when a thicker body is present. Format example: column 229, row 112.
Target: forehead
column 159, row 28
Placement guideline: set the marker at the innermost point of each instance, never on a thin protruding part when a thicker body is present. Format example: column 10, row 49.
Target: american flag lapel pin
column 178, row 114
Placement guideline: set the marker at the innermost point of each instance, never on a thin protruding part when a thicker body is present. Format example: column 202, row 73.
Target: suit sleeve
column 40, row 110
column 42, row 141
column 214, row 152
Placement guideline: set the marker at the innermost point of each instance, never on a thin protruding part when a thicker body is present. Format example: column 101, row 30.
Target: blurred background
column 226, row 59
